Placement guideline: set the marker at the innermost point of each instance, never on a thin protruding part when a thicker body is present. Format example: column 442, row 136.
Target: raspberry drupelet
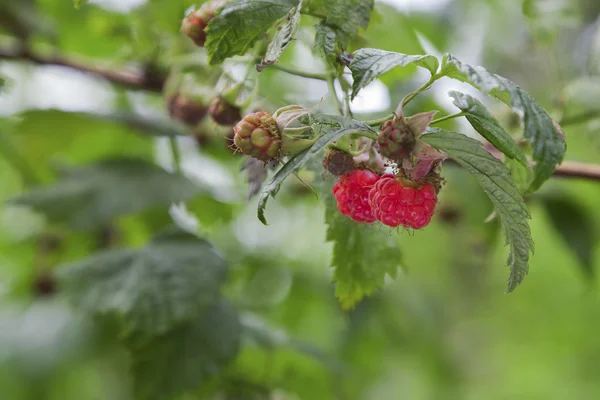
column 395, row 204
column 351, row 192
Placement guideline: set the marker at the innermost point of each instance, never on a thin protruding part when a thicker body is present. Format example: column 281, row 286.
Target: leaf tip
column 261, row 217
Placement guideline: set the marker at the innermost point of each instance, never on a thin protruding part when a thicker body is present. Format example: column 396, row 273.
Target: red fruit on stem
column 395, row 204
column 351, row 192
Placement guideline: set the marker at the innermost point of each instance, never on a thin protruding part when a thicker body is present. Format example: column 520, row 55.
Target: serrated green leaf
column 282, row 39
column 240, row 23
column 575, row 227
column 368, row 64
column 362, row 256
column 521, row 175
column 497, row 182
column 174, row 279
column 186, row 357
column 345, row 126
column 90, row 196
column 342, row 20
column 328, row 43
column 488, row 127
column 546, row 137
column 346, row 16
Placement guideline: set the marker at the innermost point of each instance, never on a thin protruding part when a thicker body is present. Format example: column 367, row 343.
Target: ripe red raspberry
column 257, row 135
column 394, row 204
column 351, row 192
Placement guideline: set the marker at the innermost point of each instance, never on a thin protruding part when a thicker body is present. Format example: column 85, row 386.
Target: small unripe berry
column 396, row 140
column 338, row 162
column 224, row 113
column 185, row 109
column 257, row 135
column 194, row 24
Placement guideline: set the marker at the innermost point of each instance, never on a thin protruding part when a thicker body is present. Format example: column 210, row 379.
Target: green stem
column 341, row 148
column 368, row 135
column 447, row 117
column 347, row 88
column 422, row 88
column 297, row 72
column 175, row 154
column 379, row 121
column 348, row 110
column 12, row 155
column 331, row 85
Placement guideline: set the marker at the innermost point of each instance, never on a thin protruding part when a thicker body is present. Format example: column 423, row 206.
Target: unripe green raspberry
column 257, row 135
column 396, row 140
column 224, row 113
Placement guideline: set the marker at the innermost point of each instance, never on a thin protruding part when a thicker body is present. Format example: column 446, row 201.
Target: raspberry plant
column 172, row 302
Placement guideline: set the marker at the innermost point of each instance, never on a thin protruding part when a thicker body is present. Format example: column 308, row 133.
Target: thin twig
column 420, row 89
column 140, row 79
column 297, row 72
column 446, row 118
column 331, row 85
column 568, row 169
column 571, row 169
column 378, row 121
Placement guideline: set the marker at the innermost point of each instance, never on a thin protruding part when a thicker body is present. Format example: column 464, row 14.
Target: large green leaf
column 362, row 256
column 488, row 127
column 282, row 39
column 346, row 16
column 240, row 23
column 576, row 228
column 368, row 64
column 174, row 279
column 546, row 137
column 342, row 20
column 90, row 196
column 328, row 43
column 497, row 182
column 343, row 126
column 186, row 357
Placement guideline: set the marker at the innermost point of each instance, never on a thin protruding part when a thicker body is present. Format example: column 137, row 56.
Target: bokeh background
column 442, row 330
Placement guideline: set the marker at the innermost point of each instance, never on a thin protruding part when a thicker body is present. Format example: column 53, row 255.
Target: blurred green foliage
column 441, row 330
